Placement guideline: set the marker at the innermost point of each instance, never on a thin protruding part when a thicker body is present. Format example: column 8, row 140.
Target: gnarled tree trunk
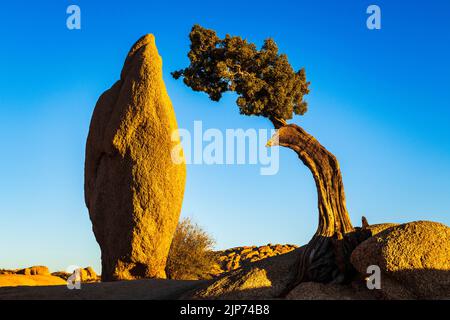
column 326, row 258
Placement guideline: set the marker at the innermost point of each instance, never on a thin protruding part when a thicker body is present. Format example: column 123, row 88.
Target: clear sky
column 380, row 101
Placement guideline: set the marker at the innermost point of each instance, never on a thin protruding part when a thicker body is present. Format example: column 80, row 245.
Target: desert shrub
column 191, row 256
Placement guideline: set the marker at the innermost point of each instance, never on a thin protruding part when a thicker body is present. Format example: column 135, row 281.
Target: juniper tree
column 267, row 85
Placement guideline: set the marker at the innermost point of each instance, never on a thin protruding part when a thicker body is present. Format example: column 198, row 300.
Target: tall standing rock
column 133, row 189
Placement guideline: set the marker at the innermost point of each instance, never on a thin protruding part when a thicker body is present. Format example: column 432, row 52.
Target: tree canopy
column 264, row 80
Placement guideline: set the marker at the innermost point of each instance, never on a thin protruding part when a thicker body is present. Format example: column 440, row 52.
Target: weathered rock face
column 377, row 228
column 330, row 291
column 133, row 189
column 414, row 259
column 34, row 271
column 268, row 279
column 263, row 279
column 237, row 257
column 87, row 274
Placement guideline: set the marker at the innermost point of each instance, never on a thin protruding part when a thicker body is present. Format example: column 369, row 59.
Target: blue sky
column 380, row 101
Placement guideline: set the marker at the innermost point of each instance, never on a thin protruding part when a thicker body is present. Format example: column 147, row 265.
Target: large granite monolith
column 133, row 189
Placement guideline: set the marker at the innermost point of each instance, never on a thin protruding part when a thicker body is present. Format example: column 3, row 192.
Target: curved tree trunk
column 326, row 258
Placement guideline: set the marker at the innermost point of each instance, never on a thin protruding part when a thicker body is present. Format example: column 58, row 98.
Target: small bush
column 190, row 256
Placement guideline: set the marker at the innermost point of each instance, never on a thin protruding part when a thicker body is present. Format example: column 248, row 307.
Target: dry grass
column 190, row 256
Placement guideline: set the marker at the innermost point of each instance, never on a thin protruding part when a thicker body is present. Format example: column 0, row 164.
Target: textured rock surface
column 414, row 259
column 320, row 291
column 268, row 278
column 264, row 279
column 15, row 280
column 87, row 274
column 377, row 228
column 235, row 258
column 133, row 190
column 34, row 271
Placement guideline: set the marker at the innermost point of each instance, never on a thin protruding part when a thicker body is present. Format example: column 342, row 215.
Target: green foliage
column 264, row 80
column 190, row 256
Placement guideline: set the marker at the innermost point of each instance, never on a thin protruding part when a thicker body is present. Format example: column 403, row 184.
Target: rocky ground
column 151, row 289
column 238, row 257
column 227, row 260
column 414, row 259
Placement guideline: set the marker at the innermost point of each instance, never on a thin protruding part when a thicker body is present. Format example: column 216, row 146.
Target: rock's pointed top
column 147, row 41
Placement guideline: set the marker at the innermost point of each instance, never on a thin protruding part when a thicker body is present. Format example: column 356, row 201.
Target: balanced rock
column 133, row 189
column 414, row 259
